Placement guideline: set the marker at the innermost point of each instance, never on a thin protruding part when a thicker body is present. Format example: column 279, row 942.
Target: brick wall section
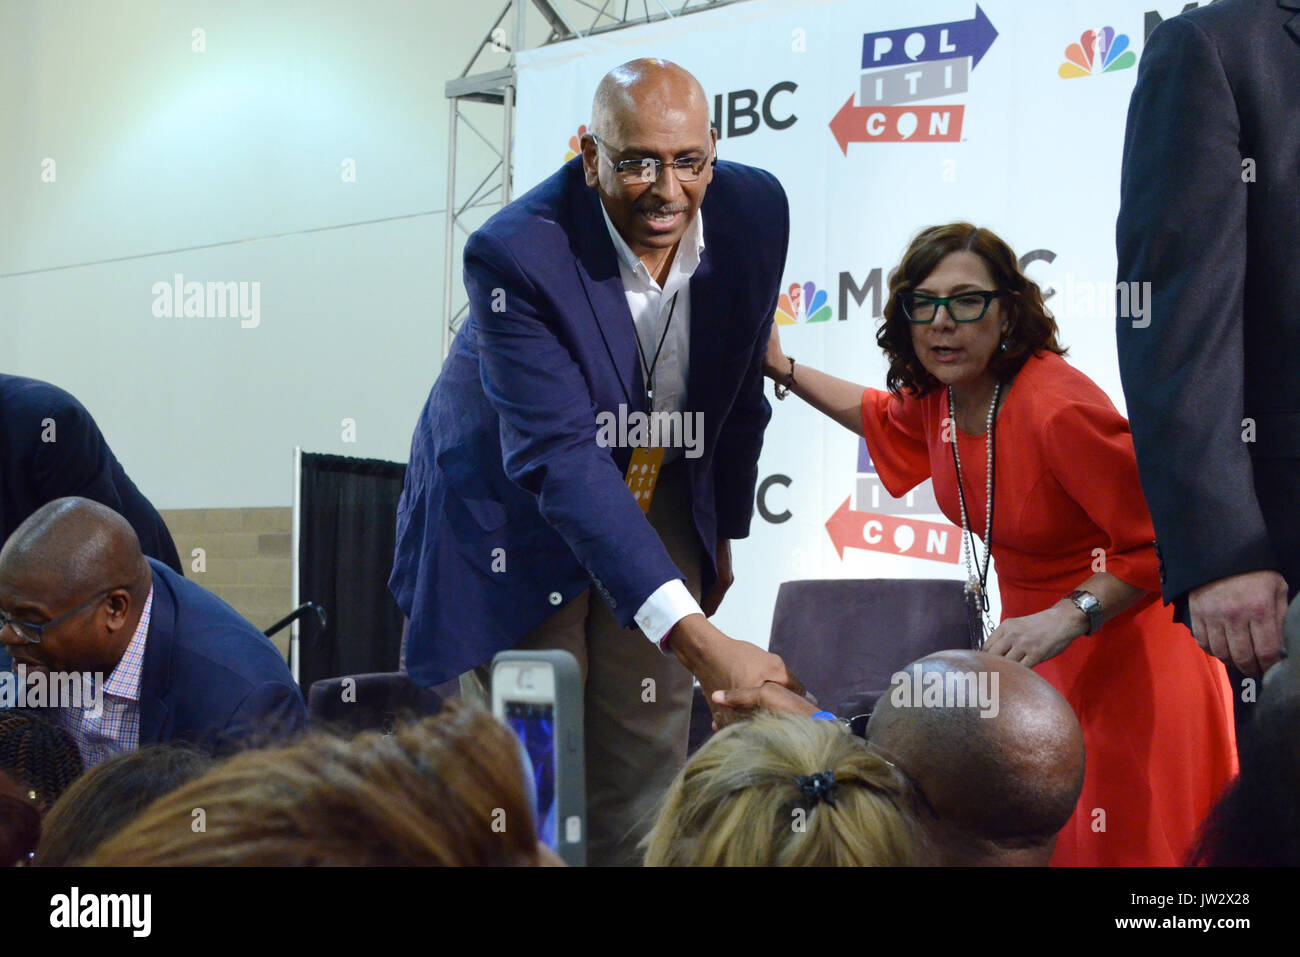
column 248, row 562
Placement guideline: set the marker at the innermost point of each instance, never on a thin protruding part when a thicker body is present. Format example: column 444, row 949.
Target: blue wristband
column 825, row 716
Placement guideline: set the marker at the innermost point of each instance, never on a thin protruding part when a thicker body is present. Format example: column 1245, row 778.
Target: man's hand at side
column 1239, row 619
column 721, row 663
column 725, row 579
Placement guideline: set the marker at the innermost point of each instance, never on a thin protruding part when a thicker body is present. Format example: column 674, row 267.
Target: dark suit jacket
column 1217, row 86
column 78, row 462
column 209, row 676
column 505, row 454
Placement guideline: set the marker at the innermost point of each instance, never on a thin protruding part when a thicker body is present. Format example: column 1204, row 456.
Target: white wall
column 226, row 165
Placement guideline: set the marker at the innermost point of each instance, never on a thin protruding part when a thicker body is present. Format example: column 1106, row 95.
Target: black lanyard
column 649, row 370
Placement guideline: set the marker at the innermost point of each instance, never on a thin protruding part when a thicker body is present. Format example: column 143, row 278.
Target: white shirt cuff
column 669, row 604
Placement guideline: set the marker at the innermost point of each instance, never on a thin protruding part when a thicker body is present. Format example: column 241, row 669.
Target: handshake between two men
column 731, row 671
column 728, row 669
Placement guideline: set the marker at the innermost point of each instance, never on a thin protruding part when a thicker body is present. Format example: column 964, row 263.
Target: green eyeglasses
column 963, row 307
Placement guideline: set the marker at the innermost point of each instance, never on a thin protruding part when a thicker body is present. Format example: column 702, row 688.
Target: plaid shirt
column 116, row 728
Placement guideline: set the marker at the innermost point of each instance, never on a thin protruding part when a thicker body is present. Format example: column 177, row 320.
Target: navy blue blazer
column 209, row 676
column 78, row 462
column 511, row 507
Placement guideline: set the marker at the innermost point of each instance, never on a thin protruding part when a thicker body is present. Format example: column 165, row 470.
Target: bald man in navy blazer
column 614, row 289
column 173, row 662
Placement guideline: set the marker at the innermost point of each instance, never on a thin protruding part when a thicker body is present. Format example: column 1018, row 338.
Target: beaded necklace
column 977, row 572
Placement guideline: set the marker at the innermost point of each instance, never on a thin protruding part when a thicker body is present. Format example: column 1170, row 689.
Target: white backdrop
column 881, row 118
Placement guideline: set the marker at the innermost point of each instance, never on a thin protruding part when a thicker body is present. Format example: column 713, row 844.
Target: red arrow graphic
column 913, row 123
column 893, row 535
column 848, row 122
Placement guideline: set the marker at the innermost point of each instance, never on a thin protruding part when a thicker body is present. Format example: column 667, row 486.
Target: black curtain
column 345, row 553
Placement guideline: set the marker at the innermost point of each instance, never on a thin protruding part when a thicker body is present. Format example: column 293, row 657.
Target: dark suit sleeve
column 739, row 444
column 1182, row 228
column 77, row 461
column 548, row 431
column 271, row 712
column 741, row 437
column 80, row 462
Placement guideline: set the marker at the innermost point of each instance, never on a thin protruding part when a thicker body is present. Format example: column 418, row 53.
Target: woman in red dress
column 976, row 377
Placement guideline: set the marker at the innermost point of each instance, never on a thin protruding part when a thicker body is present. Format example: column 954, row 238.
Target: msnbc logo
column 802, row 303
column 575, row 143
column 1098, row 51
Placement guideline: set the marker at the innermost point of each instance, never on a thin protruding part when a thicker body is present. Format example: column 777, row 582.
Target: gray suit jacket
column 1210, row 217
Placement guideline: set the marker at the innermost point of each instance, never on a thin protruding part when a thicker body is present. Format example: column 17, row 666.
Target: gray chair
column 845, row 637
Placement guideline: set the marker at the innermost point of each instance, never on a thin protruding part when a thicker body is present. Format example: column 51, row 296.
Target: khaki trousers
column 637, row 700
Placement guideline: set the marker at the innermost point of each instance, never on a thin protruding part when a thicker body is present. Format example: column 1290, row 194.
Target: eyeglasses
column 963, row 307
column 919, row 801
column 32, row 634
column 648, row 169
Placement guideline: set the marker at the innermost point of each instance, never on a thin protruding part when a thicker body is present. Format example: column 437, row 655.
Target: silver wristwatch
column 1090, row 605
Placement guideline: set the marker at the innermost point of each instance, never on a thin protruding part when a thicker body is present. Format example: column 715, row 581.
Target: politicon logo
column 903, row 67
column 893, row 526
column 1098, row 51
column 802, row 302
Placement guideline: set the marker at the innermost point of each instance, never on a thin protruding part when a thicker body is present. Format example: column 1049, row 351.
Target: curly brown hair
column 1032, row 328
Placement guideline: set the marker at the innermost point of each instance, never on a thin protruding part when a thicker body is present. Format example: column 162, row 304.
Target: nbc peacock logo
column 802, row 303
column 575, row 143
column 1098, row 51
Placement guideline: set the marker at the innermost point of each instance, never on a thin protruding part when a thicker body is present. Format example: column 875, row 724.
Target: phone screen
column 535, row 726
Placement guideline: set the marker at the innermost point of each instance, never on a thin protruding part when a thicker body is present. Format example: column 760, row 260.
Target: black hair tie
column 818, row 787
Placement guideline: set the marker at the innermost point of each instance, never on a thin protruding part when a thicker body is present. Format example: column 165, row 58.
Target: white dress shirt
column 650, row 304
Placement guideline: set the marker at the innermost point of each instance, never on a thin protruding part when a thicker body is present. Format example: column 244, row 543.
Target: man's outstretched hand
column 769, row 696
column 722, row 664
column 1239, row 619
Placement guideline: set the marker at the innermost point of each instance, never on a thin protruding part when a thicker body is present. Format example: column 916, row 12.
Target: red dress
column 1156, row 711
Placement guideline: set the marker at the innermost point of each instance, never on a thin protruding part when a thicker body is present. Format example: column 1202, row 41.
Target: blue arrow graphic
column 938, row 41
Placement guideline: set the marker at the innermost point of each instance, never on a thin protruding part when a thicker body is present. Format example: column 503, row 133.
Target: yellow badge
column 642, row 473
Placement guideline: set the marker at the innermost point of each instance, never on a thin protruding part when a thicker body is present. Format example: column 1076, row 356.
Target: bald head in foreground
column 998, row 771
column 168, row 660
